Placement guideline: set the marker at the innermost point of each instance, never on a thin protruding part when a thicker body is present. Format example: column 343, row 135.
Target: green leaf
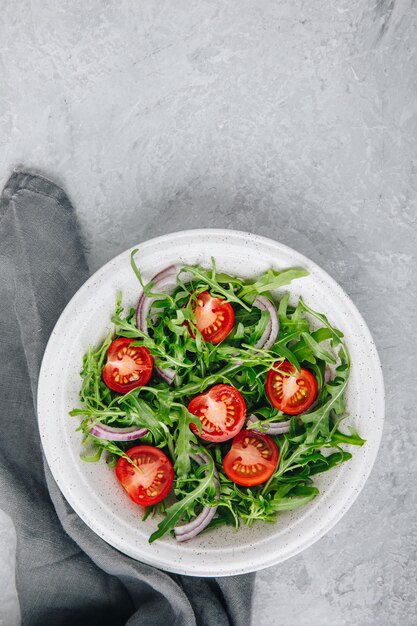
column 283, row 306
column 146, row 417
column 317, row 349
column 353, row 439
column 221, row 277
column 239, row 331
column 329, row 462
column 299, row 497
column 174, row 513
column 93, row 451
column 314, row 441
column 260, row 327
column 271, row 280
column 336, row 335
column 184, row 439
column 317, row 421
column 203, row 275
column 306, row 352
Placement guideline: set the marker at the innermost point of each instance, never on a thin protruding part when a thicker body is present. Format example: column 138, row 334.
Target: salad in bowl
column 216, row 402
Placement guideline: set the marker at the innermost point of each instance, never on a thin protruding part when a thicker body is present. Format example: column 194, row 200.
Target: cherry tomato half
column 127, row 366
column 291, row 392
column 252, row 458
column 214, row 317
column 222, row 412
column 151, row 481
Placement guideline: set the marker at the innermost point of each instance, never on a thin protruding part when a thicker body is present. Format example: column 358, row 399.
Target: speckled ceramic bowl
column 92, row 489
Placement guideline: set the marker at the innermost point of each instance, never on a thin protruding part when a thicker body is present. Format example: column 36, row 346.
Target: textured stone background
column 292, row 119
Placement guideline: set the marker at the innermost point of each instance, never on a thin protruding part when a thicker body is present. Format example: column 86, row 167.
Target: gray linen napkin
column 65, row 573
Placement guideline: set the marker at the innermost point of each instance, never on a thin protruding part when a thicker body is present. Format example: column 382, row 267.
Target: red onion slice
column 167, row 374
column 113, row 433
column 272, row 428
column 163, row 282
column 270, row 333
column 193, row 528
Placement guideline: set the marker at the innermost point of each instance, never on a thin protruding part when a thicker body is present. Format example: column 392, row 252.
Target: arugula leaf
column 314, row 441
column 329, row 462
column 269, row 281
column 317, row 421
column 174, row 513
column 336, row 335
column 317, row 349
column 308, row 348
column 184, row 438
column 93, row 451
column 203, row 275
column 146, row 417
column 299, row 496
column 353, row 439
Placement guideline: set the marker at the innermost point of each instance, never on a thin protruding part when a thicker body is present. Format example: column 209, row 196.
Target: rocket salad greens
column 216, row 392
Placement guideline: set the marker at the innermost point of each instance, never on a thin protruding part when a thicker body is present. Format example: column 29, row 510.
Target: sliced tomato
column 149, row 482
column 127, row 366
column 222, row 412
column 214, row 317
column 290, row 391
column 252, row 458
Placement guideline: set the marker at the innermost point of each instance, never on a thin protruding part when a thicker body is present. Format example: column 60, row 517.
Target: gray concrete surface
column 296, row 120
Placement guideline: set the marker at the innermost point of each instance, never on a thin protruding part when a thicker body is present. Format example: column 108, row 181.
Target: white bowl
column 92, row 489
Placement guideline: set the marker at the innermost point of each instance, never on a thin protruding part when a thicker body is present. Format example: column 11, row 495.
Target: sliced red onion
column 167, row 374
column 113, row 433
column 272, row 428
column 163, row 282
column 270, row 333
column 193, row 528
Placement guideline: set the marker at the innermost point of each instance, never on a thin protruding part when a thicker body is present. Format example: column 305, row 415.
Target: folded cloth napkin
column 65, row 574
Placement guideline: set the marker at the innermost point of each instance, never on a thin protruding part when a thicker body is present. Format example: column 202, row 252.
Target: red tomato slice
column 127, row 366
column 214, row 317
column 291, row 392
column 222, row 412
column 151, row 481
column 252, row 458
